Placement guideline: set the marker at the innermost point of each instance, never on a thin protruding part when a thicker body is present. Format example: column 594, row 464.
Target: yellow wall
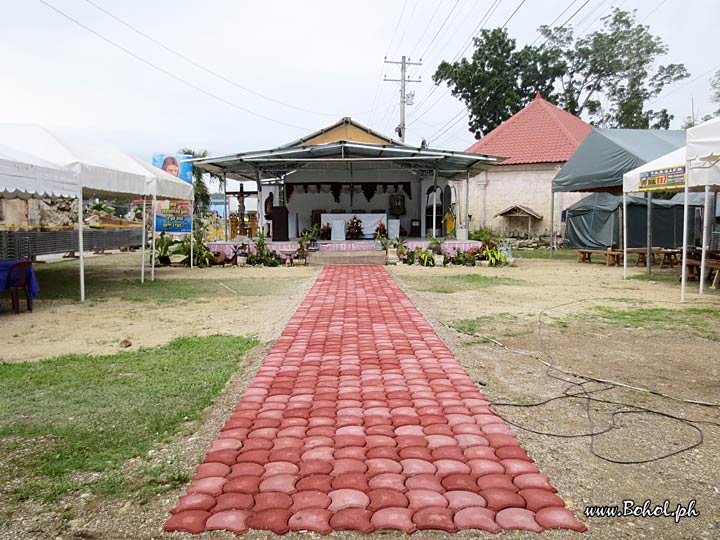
column 346, row 132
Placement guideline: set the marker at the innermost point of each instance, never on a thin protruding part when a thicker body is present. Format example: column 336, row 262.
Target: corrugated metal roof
column 278, row 162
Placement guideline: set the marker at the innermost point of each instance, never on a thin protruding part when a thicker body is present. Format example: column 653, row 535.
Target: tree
column 608, row 76
column 202, row 195
column 614, row 65
column 715, row 91
column 499, row 80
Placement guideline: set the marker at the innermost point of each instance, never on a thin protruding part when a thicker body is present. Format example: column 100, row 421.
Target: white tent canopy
column 86, row 170
column 102, row 171
column 631, row 179
column 703, row 168
column 26, row 176
column 701, row 160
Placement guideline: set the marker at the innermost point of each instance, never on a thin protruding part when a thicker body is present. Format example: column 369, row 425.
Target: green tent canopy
column 605, row 155
column 594, row 222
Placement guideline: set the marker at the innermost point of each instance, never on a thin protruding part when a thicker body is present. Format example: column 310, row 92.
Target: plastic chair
column 20, row 271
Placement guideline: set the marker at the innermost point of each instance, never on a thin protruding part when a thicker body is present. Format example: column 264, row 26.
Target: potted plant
column 436, row 250
column 242, row 256
column 354, row 228
column 163, row 243
column 313, row 237
column 381, row 236
column 326, row 232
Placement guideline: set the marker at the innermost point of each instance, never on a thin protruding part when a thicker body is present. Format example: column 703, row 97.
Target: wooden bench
column 693, row 270
column 613, row 257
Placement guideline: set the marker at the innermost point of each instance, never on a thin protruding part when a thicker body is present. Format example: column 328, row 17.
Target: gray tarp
column 605, row 155
column 594, row 222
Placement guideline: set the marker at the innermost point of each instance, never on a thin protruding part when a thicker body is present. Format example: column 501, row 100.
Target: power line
column 422, row 35
column 397, row 26
column 427, row 48
column 201, row 67
column 688, row 83
column 514, row 12
column 653, row 11
column 555, row 20
column 488, row 13
column 377, row 88
column 565, row 23
column 167, row 73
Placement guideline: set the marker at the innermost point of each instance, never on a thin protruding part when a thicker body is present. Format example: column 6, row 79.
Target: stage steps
column 321, row 258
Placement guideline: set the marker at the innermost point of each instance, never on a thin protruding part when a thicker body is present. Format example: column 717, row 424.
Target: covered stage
column 348, row 170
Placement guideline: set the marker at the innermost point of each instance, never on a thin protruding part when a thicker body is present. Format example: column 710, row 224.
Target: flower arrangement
column 354, row 228
column 325, row 232
column 380, row 231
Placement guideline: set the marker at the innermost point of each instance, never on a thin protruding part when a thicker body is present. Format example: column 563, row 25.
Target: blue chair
column 16, row 280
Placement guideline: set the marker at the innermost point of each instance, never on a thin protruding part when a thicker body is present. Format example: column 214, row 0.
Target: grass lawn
column 458, row 283
column 65, row 418
column 691, row 321
column 560, row 254
column 105, row 281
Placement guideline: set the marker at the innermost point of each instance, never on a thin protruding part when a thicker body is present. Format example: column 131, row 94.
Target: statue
column 449, row 220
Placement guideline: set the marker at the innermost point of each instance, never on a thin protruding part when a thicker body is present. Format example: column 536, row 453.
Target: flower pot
column 242, row 261
column 439, row 260
column 482, row 263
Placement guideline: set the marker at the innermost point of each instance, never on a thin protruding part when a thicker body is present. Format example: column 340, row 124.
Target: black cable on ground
column 576, row 389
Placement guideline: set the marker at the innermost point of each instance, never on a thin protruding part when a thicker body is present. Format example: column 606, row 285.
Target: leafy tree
column 614, row 65
column 608, row 76
column 202, row 195
column 715, row 91
column 499, row 80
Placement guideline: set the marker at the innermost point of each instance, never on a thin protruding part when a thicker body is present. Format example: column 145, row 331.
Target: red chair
column 20, row 271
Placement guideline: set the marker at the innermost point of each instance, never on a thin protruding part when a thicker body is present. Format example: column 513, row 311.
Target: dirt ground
column 543, row 313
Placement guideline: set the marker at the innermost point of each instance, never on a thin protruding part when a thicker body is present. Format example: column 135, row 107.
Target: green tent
column 594, row 222
column 605, row 155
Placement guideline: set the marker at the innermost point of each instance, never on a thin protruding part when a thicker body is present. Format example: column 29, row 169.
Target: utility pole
column 405, row 98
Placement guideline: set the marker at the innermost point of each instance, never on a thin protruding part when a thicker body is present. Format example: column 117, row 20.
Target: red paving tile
column 361, row 419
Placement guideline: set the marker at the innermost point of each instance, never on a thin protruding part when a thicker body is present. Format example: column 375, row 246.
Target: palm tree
column 202, row 195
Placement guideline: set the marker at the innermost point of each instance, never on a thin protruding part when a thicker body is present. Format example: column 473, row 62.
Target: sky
column 261, row 74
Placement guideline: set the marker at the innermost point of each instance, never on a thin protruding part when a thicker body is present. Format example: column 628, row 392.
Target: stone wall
column 503, row 186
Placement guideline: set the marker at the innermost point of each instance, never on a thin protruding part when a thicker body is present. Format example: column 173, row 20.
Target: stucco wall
column 494, row 190
column 20, row 213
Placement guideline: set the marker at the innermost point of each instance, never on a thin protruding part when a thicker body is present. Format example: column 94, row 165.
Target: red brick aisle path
column 360, row 418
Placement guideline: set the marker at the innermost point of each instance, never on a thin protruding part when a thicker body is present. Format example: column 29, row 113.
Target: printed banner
column 175, row 164
column 173, row 216
column 668, row 178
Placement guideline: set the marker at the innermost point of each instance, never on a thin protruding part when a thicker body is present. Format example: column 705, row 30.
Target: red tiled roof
column 540, row 133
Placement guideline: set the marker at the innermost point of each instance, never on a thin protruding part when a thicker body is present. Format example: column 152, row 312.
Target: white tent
column 99, row 171
column 703, row 157
column 25, row 176
column 699, row 163
column 673, row 164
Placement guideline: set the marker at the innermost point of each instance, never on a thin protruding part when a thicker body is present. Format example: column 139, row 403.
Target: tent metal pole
column 260, row 204
column 683, row 278
column 552, row 221
column 227, row 216
column 81, row 248
column 192, row 235
column 144, row 240
column 154, row 218
column 467, row 203
column 624, row 220
column 703, row 258
column 434, row 222
column 648, row 247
